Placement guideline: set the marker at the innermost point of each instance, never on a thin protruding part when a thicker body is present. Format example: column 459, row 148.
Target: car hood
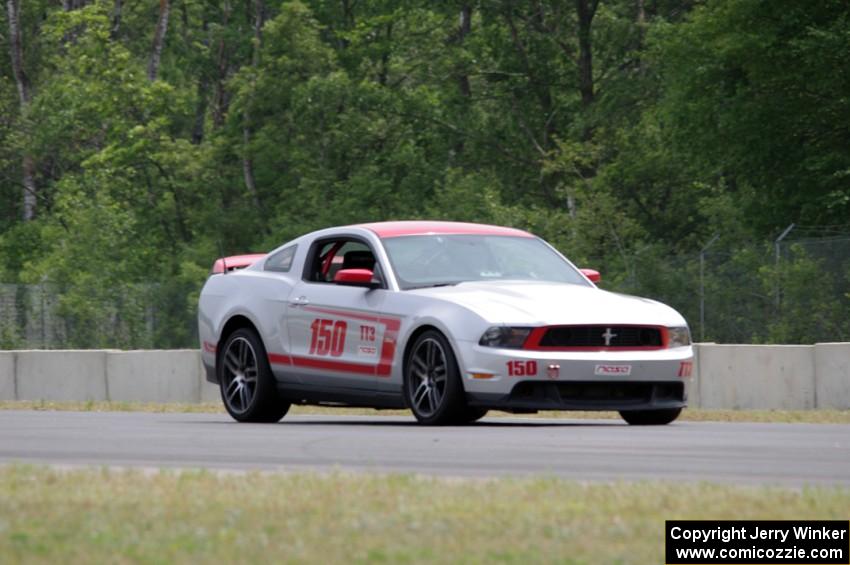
column 541, row 303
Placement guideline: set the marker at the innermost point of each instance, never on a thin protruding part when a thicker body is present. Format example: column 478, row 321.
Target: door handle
column 299, row 301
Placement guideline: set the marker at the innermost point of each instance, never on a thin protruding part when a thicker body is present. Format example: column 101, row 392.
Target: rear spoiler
column 224, row 265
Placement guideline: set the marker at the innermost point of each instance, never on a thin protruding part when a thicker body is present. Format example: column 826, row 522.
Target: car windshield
column 434, row 260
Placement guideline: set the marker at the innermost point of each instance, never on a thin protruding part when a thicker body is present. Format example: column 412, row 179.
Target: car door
column 336, row 331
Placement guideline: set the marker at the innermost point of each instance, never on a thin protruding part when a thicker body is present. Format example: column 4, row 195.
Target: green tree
column 755, row 94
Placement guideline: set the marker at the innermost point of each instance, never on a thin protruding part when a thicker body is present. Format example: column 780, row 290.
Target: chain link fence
column 792, row 290
column 45, row 316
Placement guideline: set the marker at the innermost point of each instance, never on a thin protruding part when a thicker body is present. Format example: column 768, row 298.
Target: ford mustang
column 447, row 319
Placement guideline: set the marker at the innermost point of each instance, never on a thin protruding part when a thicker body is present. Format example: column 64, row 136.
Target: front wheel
column 472, row 414
column 650, row 417
column 248, row 388
column 432, row 386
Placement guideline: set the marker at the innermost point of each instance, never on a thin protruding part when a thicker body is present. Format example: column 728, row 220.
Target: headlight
column 678, row 337
column 502, row 336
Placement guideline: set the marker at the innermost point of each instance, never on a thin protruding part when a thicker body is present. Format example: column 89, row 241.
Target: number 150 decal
column 327, row 337
column 522, row 368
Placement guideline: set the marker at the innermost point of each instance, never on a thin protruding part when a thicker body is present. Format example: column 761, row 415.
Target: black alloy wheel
column 432, row 386
column 248, row 387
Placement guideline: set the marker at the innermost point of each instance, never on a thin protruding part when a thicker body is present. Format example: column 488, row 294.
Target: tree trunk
column 158, row 39
column 348, row 14
column 248, row 167
column 586, row 11
column 116, row 19
column 200, row 110
column 16, row 51
column 220, row 98
column 30, row 191
column 203, row 99
column 385, row 57
column 641, row 27
column 247, row 161
column 464, row 28
column 463, row 31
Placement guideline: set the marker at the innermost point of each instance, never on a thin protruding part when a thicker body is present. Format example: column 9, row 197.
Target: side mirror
column 356, row 277
column 592, row 274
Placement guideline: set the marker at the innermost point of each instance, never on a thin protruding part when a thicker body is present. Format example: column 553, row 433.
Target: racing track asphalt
column 789, row 454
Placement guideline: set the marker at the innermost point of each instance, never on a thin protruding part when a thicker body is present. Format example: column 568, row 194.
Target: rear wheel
column 650, row 417
column 248, row 388
column 432, row 386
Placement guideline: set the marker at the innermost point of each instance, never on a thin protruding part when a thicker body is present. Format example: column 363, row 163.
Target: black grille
column 595, row 336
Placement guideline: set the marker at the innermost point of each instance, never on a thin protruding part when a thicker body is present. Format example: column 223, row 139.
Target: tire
column 650, row 417
column 432, row 387
column 472, row 414
column 248, row 388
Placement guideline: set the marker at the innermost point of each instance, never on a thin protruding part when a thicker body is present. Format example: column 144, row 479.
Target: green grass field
column 691, row 414
column 100, row 516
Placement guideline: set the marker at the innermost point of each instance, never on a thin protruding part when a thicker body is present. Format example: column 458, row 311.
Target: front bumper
column 575, row 380
column 585, row 395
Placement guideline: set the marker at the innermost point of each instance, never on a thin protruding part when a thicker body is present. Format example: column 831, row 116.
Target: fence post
column 702, row 285
column 778, row 253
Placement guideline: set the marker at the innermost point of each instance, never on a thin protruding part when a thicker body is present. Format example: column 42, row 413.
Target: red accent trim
column 353, row 276
column 235, row 262
column 592, row 274
column 278, row 359
column 342, row 366
column 532, row 342
column 398, row 229
column 388, row 347
column 210, row 347
column 686, row 368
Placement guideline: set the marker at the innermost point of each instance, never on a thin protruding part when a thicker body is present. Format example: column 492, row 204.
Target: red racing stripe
column 278, row 359
column 341, row 366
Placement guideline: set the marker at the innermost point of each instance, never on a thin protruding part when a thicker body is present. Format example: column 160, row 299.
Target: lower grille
column 590, row 394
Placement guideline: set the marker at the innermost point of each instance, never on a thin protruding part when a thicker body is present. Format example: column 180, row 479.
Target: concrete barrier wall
column 832, row 375
column 756, row 376
column 7, row 376
column 788, row 377
column 154, row 376
column 61, row 375
column 117, row 376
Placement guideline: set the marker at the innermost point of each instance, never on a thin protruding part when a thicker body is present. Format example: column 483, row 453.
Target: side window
column 329, row 256
column 281, row 261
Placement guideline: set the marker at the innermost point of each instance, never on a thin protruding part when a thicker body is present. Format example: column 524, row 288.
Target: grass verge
column 691, row 414
column 84, row 516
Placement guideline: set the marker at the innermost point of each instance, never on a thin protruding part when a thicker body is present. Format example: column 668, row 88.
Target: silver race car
column 448, row 319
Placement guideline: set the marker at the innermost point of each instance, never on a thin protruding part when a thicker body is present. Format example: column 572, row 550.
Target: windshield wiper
column 433, row 285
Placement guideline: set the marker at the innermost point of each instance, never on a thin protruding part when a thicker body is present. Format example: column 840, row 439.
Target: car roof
column 418, row 227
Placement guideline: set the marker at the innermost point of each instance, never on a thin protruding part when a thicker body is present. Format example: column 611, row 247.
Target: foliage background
column 627, row 132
